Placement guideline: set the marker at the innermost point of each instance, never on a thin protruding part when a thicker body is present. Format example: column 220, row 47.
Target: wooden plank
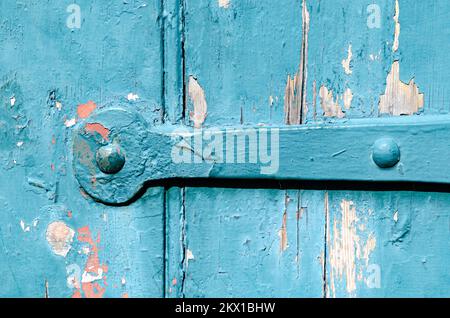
column 248, row 243
column 54, row 240
column 241, row 242
column 240, row 56
column 387, row 244
column 370, row 60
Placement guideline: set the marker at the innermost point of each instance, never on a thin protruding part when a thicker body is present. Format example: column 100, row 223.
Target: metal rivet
column 386, row 153
column 110, row 159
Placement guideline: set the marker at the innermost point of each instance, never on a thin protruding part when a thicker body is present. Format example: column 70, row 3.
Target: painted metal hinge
column 115, row 152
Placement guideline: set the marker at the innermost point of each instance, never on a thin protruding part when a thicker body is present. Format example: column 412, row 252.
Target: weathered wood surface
column 296, row 62
column 52, row 77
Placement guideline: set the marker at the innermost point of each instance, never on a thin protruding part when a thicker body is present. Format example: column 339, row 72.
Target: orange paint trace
column 125, row 295
column 69, row 214
column 99, row 129
column 93, row 288
column 85, row 110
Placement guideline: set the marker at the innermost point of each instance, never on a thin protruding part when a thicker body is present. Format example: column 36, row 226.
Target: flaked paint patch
column 189, row 256
column 132, row 97
column 99, row 129
column 283, row 234
column 369, row 248
column 292, row 100
column 347, row 248
column 85, row 110
column 395, row 45
column 197, row 96
column 295, row 105
column 395, row 217
column 12, row 101
column 330, row 106
column 60, row 237
column 224, row 4
column 346, row 62
column 400, row 98
column 93, row 282
column 70, row 122
column 344, row 247
column 347, row 98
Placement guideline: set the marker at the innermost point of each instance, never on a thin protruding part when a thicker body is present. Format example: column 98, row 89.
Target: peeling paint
column 189, row 256
column 93, row 283
column 60, row 237
column 346, row 62
column 85, row 110
column 395, row 45
column 70, row 122
column 132, row 97
column 400, row 98
column 197, row 96
column 348, row 247
column 98, row 128
column 224, row 4
column 395, row 217
column 283, row 234
column 347, row 98
column 369, row 248
column 295, row 106
column 330, row 106
column 342, row 249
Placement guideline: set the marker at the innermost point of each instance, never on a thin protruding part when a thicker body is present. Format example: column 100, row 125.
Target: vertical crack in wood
column 165, row 249
column 162, row 44
column 183, row 58
column 324, row 270
column 295, row 107
column 184, row 261
column 46, row 294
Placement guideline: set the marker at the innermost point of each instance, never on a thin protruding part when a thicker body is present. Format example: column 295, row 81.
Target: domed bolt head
column 386, row 153
column 110, row 159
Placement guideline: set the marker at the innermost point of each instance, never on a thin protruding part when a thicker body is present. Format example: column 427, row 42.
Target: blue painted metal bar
column 383, row 149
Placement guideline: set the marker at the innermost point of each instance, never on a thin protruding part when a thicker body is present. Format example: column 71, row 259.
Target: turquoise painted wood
column 55, row 241
column 213, row 64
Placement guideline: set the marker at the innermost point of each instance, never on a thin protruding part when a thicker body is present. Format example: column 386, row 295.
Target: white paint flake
column 13, row 101
column 89, row 277
column 396, row 216
column 397, row 27
column 70, row 122
column 197, row 96
column 60, row 237
column 132, row 97
column 224, row 4
column 400, row 98
column 346, row 62
column 189, row 255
